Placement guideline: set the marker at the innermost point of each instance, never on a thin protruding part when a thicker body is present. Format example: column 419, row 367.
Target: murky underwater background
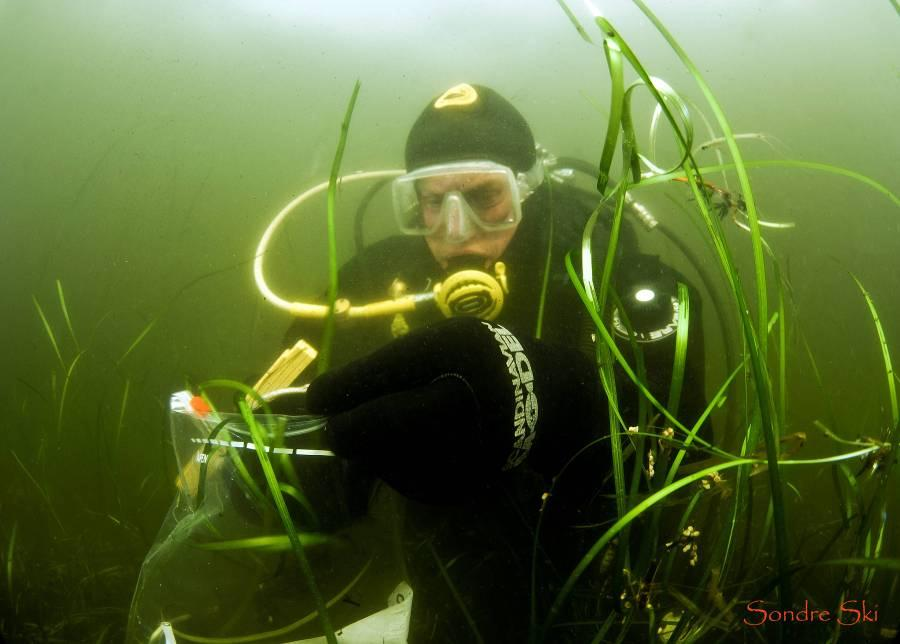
column 145, row 146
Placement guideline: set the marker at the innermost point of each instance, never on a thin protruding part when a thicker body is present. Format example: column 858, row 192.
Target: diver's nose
column 459, row 228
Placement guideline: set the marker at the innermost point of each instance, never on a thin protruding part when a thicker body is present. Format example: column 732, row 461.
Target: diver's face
column 455, row 203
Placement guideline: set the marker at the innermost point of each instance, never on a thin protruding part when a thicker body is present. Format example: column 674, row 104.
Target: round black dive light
column 650, row 312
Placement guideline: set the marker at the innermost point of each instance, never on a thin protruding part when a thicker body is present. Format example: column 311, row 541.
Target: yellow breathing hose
column 468, row 292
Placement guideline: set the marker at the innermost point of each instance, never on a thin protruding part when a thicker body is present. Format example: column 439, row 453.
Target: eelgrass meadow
column 141, row 288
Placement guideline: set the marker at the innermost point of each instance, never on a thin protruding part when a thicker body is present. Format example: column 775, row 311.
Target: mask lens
column 486, row 194
column 491, row 199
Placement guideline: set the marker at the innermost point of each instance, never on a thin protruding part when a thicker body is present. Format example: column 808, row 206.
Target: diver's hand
column 444, row 409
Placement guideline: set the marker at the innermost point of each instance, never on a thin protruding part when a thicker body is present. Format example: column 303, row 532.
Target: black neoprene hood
column 470, row 122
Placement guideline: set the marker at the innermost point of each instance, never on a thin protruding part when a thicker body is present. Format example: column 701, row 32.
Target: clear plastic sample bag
column 223, row 568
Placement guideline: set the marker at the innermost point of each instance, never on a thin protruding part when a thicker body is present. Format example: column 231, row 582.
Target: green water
column 145, row 146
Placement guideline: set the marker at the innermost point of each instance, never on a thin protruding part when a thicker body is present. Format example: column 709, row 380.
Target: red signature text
column 850, row 613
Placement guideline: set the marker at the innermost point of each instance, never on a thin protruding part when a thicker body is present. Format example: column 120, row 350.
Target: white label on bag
column 388, row 626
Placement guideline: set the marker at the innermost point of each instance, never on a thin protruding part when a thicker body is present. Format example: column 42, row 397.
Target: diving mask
column 462, row 197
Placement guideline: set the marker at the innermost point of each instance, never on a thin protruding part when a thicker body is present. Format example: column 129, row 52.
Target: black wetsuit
column 470, row 563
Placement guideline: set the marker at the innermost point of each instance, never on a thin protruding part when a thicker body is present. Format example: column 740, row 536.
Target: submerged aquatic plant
column 77, row 571
column 648, row 600
column 328, row 331
column 688, row 619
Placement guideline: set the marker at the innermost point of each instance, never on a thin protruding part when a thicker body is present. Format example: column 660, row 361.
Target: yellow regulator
column 472, row 293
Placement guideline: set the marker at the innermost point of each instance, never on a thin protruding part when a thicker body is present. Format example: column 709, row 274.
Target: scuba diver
column 462, row 414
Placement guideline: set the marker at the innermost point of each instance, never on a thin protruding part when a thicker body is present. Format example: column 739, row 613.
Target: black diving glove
column 440, row 412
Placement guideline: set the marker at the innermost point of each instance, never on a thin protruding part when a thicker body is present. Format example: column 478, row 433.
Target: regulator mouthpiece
column 472, row 293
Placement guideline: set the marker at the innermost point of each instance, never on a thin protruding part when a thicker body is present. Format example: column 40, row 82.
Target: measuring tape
column 201, row 457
